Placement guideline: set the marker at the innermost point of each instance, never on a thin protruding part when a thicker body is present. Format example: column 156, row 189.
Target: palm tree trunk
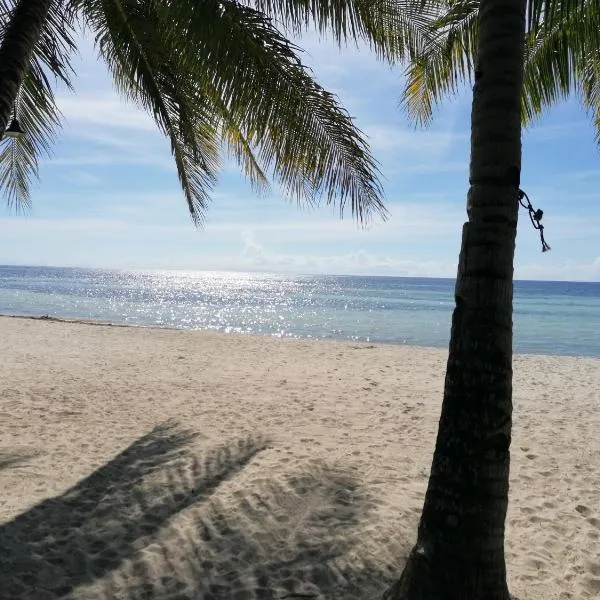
column 459, row 554
column 20, row 37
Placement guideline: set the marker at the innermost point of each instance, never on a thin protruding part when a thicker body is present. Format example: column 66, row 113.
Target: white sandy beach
column 157, row 464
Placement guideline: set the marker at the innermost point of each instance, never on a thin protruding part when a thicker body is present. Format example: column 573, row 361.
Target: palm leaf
column 392, row 28
column 590, row 89
column 143, row 61
column 549, row 13
column 446, row 61
column 563, row 59
column 562, row 38
column 298, row 129
column 239, row 146
column 36, row 107
column 56, row 45
column 19, row 157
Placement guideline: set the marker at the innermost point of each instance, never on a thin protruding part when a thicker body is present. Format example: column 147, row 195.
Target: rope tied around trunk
column 535, row 216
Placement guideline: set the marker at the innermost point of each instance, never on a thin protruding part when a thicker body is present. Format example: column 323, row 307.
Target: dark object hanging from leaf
column 14, row 130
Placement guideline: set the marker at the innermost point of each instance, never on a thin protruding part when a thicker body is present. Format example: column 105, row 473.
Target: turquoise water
column 550, row 317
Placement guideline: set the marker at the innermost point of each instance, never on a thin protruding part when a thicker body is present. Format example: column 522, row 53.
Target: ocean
column 549, row 317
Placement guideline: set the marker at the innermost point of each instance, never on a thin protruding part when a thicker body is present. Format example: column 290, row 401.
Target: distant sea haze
column 550, row 317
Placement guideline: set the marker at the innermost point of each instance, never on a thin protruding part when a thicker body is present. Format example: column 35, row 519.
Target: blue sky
column 110, row 198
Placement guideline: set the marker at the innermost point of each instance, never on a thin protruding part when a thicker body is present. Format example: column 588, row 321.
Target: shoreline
column 362, row 343
column 96, row 322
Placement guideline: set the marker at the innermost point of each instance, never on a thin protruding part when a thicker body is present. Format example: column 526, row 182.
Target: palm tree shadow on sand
column 85, row 533
column 150, row 525
column 297, row 538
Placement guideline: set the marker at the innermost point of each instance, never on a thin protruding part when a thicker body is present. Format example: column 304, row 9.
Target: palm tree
column 522, row 56
column 212, row 74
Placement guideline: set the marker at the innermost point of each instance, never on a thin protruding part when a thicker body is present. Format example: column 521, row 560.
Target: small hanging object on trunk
column 535, row 217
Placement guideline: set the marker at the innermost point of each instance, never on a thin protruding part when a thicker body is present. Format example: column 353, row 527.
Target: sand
column 157, row 464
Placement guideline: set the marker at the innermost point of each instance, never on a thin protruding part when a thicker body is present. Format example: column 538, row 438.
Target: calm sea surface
column 550, row 317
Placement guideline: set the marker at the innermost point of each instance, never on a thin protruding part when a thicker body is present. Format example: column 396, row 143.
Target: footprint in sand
column 583, row 510
column 370, row 385
column 594, row 522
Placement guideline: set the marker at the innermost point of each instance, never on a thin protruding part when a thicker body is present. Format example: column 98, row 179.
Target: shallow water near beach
column 550, row 317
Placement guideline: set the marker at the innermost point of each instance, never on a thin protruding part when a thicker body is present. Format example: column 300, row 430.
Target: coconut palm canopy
column 223, row 74
column 562, row 57
column 215, row 75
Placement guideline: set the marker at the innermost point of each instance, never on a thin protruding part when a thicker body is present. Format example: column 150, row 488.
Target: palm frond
column 36, row 107
column 6, row 8
column 561, row 36
column 56, row 45
column 394, row 29
column 560, row 60
column 445, row 63
column 590, row 89
column 143, row 60
column 300, row 132
column 239, row 145
column 16, row 167
column 19, row 157
column 549, row 73
column 547, row 14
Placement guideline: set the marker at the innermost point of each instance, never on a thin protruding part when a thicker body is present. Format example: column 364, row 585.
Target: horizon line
column 272, row 273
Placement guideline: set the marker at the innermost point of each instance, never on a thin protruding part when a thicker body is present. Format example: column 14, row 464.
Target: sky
column 109, row 196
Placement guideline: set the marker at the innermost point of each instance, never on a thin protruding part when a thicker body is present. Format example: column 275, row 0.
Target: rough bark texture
column 459, row 554
column 20, row 37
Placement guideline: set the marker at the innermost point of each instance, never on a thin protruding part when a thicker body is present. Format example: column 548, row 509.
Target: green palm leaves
column 562, row 57
column 285, row 122
column 47, row 53
column 219, row 77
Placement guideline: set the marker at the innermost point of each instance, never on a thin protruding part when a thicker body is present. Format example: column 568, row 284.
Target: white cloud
column 104, row 111
column 109, row 132
column 569, row 270
column 256, row 256
column 94, row 158
column 120, row 211
column 341, row 65
column 430, row 143
column 82, row 178
column 413, row 220
column 127, row 243
column 26, row 226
